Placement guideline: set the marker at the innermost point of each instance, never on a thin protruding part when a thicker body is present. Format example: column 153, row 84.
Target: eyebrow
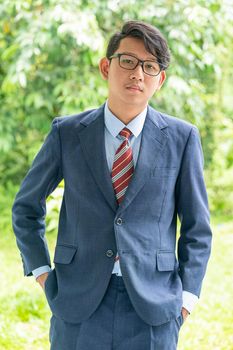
column 154, row 59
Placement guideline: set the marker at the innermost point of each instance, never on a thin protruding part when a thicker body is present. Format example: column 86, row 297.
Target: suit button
column 119, row 221
column 109, row 253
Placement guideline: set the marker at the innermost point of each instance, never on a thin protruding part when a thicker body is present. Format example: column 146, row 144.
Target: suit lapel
column 152, row 144
column 92, row 142
column 93, row 146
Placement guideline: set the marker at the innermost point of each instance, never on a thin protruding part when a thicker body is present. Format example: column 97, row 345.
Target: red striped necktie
column 123, row 167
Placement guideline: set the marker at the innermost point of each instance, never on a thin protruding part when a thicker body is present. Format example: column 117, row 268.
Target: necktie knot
column 125, row 133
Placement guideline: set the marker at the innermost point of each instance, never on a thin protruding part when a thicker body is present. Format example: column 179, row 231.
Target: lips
column 134, row 87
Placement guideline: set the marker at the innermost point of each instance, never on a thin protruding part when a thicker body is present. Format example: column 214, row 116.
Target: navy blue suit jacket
column 167, row 182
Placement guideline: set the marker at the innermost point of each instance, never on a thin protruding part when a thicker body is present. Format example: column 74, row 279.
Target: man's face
column 130, row 87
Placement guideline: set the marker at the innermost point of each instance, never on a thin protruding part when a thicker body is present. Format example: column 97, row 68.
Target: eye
column 127, row 60
column 150, row 66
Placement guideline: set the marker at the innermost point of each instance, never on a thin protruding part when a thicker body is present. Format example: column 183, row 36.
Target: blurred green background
column 49, row 53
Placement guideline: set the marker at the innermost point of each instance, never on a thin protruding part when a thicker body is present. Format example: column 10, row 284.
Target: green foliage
column 49, row 53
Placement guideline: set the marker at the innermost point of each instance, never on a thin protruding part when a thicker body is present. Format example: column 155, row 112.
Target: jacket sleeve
column 194, row 243
column 29, row 208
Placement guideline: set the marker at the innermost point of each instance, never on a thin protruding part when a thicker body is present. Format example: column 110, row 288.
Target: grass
column 24, row 313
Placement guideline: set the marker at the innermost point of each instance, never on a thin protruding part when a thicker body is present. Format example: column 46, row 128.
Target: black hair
column 154, row 41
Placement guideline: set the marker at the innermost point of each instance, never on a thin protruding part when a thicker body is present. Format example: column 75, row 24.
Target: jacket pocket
column 64, row 254
column 166, row 261
column 179, row 320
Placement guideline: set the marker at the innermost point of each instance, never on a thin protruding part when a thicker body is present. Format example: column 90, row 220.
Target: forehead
column 134, row 46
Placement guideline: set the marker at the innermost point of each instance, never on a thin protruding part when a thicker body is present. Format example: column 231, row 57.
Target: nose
column 137, row 73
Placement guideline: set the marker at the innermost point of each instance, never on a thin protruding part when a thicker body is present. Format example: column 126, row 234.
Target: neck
column 127, row 114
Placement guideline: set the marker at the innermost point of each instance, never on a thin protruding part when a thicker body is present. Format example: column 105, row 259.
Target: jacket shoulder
column 72, row 120
column 172, row 124
column 175, row 122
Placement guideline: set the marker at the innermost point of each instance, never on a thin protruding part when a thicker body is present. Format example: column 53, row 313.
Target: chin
column 135, row 101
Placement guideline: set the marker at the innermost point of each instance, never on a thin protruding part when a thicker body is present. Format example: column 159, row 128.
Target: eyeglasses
column 131, row 62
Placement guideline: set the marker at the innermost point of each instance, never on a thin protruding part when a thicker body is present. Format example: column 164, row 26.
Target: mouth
column 134, row 88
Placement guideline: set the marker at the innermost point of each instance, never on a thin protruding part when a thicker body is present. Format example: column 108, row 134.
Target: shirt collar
column 114, row 125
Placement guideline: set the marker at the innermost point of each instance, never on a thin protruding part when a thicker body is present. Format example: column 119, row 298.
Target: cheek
column 151, row 88
column 114, row 77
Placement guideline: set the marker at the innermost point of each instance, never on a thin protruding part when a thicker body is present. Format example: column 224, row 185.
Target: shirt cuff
column 40, row 270
column 189, row 301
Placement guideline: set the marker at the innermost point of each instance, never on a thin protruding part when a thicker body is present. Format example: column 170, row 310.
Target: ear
column 162, row 79
column 104, row 67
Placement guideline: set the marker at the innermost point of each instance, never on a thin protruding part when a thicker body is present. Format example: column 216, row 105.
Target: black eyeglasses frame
column 140, row 62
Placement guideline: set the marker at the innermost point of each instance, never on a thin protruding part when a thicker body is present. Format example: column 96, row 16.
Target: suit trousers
column 114, row 326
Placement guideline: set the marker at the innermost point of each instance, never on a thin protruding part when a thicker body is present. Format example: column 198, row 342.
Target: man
column 128, row 170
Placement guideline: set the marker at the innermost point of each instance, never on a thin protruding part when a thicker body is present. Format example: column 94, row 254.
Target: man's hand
column 185, row 313
column 42, row 278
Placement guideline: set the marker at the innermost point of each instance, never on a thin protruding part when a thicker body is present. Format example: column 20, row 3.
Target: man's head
column 134, row 67
column 152, row 38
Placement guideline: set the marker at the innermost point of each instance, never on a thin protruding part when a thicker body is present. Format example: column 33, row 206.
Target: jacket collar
column 91, row 137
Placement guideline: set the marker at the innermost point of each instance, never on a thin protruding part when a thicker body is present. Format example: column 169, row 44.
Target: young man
column 129, row 171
